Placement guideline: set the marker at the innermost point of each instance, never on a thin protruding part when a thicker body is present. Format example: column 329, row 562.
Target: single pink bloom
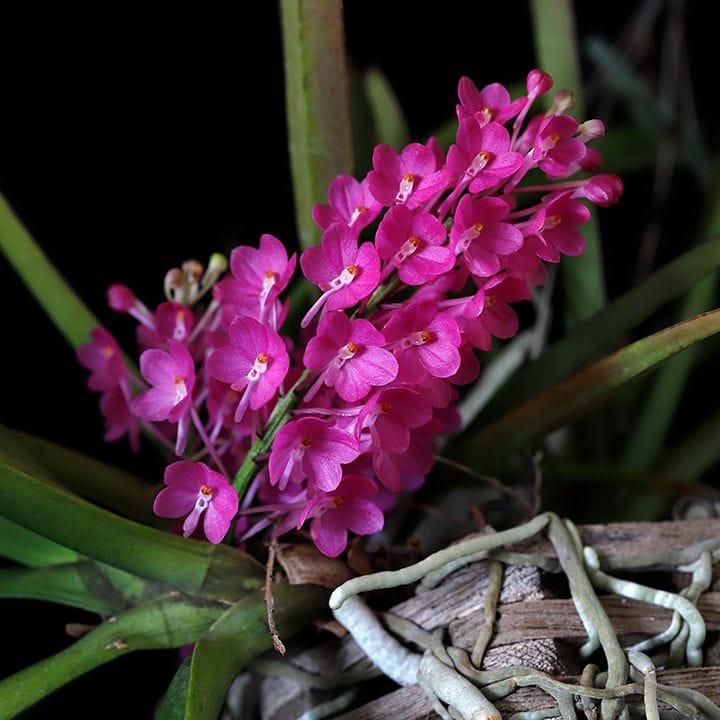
column 554, row 229
column 349, row 357
column 170, row 321
column 492, row 103
column 413, row 243
column 555, row 148
column 311, row 448
column 406, row 470
column 481, row 236
column 388, row 415
column 258, row 276
column 172, row 376
column 407, row 178
column 254, row 363
column 349, row 202
column 424, row 341
column 102, row 356
column 195, row 490
column 119, row 421
column 487, row 313
column 482, row 155
column 345, row 508
column 345, row 273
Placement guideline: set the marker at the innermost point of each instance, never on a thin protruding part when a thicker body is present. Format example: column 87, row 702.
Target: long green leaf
column 67, row 311
column 658, row 412
column 168, row 622
column 149, row 553
column 94, row 480
column 218, row 656
column 29, row 548
column 586, row 342
column 175, row 700
column 79, row 585
column 580, row 393
column 318, row 112
column 390, row 124
column 557, row 53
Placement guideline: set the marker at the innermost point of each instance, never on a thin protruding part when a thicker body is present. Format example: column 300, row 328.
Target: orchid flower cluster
column 417, row 269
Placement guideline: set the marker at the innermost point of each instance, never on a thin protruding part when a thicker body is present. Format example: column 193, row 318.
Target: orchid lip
column 407, row 183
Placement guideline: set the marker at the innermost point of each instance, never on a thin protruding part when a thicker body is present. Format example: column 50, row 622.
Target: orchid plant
column 305, row 395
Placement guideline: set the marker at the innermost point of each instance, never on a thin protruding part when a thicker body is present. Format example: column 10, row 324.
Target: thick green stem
column 318, row 107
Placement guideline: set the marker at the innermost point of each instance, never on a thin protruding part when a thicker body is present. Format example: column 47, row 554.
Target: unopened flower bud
column 538, row 83
column 121, row 298
column 174, row 284
column 603, row 190
column 591, row 130
column 591, row 160
column 193, row 269
column 216, row 267
column 563, row 100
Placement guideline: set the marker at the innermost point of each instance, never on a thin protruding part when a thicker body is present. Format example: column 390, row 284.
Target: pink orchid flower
column 348, row 356
column 195, row 490
column 349, row 202
column 102, row 356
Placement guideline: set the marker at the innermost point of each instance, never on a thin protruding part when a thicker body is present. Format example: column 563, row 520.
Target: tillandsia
column 417, row 269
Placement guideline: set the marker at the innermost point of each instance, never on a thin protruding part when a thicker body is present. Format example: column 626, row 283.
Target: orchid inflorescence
column 354, row 407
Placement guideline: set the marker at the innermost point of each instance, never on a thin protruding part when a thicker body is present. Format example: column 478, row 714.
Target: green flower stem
column 279, row 416
column 67, row 311
column 317, row 103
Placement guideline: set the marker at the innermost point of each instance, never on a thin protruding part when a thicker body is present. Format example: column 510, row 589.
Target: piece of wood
column 411, row 703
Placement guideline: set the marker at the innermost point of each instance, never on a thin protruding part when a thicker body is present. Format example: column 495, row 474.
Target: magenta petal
column 329, row 536
column 361, row 516
column 220, row 513
column 230, row 365
column 325, row 472
column 157, row 367
column 173, row 502
column 503, row 238
column 440, row 359
column 154, row 404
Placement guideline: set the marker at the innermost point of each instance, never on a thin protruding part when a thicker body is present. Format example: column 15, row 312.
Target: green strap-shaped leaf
column 237, row 637
column 67, row 311
column 29, row 548
column 657, row 414
column 580, row 393
column 557, row 53
column 149, row 553
column 318, row 113
column 587, row 341
column 168, row 622
column 175, row 700
column 79, row 585
column 94, row 480
column 390, row 124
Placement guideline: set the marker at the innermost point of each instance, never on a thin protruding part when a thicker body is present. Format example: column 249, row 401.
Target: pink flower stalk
column 407, row 178
column 102, row 356
column 491, row 104
column 554, row 229
column 258, row 276
column 254, row 363
column 480, row 235
column 172, row 376
column 388, row 415
column 555, row 148
column 349, row 357
column 195, row 490
column 346, row 274
column 414, row 245
column 311, row 448
column 482, row 155
column 349, row 202
column 424, row 341
column 345, row 508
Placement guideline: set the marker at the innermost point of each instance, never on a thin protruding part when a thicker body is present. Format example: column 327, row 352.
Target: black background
column 134, row 136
